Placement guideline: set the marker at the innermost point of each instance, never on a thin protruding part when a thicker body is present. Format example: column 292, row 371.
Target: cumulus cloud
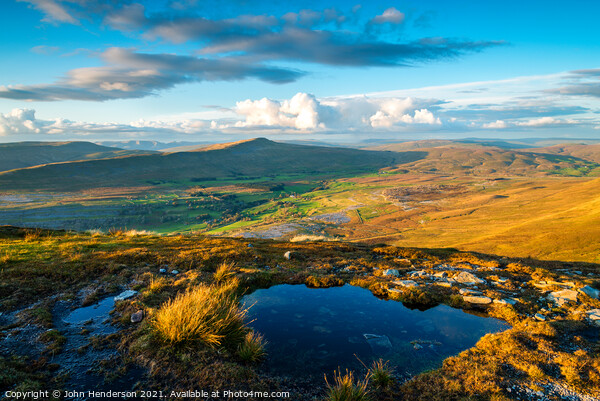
column 18, row 121
column 498, row 124
column 305, row 112
column 391, row 16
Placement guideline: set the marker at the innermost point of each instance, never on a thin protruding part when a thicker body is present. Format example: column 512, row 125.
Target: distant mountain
column 252, row 158
column 149, row 145
column 483, row 161
column 582, row 151
column 434, row 143
column 27, row 154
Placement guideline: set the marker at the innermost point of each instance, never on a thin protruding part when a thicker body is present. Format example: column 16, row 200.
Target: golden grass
column 225, row 271
column 347, row 388
column 252, row 349
column 208, row 314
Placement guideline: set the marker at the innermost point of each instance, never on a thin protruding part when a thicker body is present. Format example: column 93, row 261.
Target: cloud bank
column 224, row 49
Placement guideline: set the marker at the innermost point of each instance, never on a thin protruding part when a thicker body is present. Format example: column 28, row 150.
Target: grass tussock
column 207, row 314
column 346, row 388
column 381, row 374
column 225, row 271
column 252, row 349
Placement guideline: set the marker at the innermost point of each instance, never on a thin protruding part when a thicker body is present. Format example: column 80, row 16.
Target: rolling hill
column 476, row 159
column 256, row 157
column 27, row 154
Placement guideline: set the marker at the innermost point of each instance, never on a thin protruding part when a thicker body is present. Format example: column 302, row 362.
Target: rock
column 137, row 316
column 465, row 291
column 162, row 271
column 321, row 329
column 250, row 246
column 480, row 300
column 125, row 295
column 288, row 255
column 394, row 291
column 540, row 317
column 417, row 346
column 505, row 301
column 391, row 272
column 444, row 284
column 419, row 274
column 594, row 316
column 590, row 292
column 174, row 272
column 406, row 283
column 467, row 278
column 379, row 344
column 563, row 297
column 441, row 274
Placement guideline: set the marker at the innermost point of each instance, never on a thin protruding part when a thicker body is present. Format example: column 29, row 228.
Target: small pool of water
column 314, row 331
column 97, row 313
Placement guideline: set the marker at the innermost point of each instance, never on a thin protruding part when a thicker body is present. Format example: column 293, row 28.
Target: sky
column 193, row 70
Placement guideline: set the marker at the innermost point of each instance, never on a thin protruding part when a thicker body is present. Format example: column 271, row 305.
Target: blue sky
column 328, row 70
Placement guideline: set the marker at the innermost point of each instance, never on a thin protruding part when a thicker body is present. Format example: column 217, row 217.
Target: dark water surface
column 314, row 331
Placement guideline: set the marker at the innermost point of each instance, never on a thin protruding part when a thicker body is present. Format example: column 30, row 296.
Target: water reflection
column 314, row 331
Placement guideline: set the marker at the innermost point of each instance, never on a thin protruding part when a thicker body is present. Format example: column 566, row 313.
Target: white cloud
column 19, row 121
column 498, row 124
column 391, row 16
column 544, row 122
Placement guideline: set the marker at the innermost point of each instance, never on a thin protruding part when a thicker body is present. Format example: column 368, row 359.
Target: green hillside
column 27, row 154
column 244, row 159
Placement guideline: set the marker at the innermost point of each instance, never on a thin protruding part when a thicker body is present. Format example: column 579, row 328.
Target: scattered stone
column 288, row 255
column 395, row 290
column 380, row 344
column 417, row 346
column 137, row 316
column 321, row 329
column 406, row 283
column 443, row 284
column 468, row 278
column 480, row 300
column 594, row 316
column 441, row 274
column 563, row 297
column 250, row 246
column 419, row 274
column 391, row 272
column 465, row 291
column 174, row 272
column 162, row 271
column 540, row 317
column 590, row 292
column 125, row 295
column 505, row 301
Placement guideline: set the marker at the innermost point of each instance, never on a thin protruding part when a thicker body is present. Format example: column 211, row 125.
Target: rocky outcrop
column 467, row 278
column 479, row 300
column 563, row 297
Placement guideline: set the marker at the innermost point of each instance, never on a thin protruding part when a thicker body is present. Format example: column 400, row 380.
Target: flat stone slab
column 125, row 295
column 379, row 344
column 540, row 317
column 594, row 314
column 467, row 278
column 505, row 301
column 480, row 300
column 466, row 291
column 562, row 297
column 406, row 283
column 590, row 292
column 391, row 272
